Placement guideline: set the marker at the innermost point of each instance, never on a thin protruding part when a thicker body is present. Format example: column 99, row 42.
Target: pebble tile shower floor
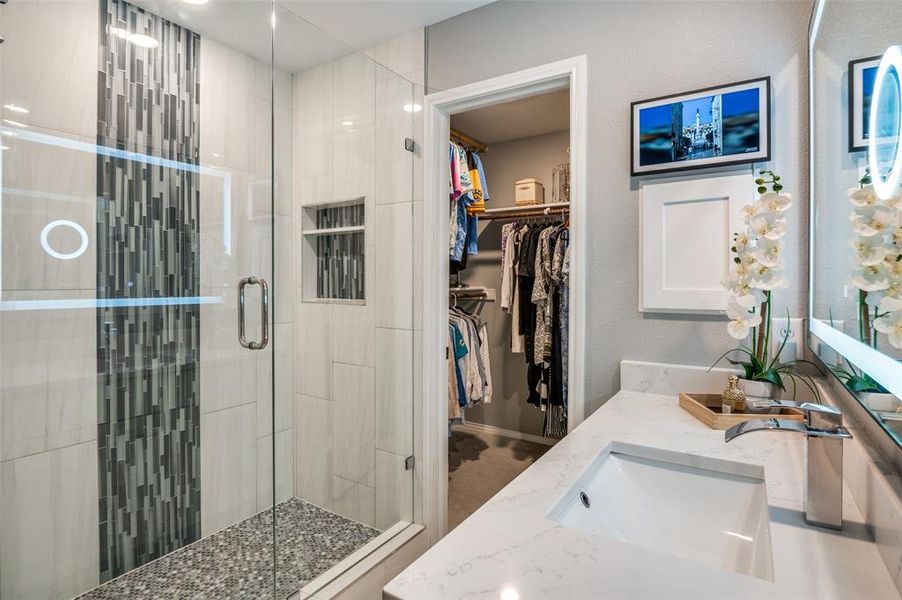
column 237, row 561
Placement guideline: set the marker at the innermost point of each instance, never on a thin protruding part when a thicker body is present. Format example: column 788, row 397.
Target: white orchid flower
column 741, row 320
column 891, row 325
column 775, row 202
column 871, row 222
column 745, row 300
column 869, row 250
column 768, row 278
column 871, row 278
column 750, row 211
column 863, row 197
column 741, row 243
column 766, row 226
column 767, row 252
column 890, row 303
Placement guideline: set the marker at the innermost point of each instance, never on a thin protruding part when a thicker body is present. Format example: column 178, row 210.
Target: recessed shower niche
column 333, row 252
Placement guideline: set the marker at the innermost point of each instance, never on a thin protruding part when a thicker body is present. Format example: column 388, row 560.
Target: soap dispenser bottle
column 732, row 400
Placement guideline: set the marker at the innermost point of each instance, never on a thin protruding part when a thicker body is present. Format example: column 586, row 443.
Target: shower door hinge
column 409, row 144
column 409, row 462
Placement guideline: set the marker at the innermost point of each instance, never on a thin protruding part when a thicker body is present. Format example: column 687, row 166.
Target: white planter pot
column 882, row 402
column 759, row 389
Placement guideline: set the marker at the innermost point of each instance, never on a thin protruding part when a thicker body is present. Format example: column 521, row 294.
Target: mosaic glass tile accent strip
column 237, row 561
column 148, row 404
column 340, row 255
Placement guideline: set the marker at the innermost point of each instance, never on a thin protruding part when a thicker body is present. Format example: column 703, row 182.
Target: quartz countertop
column 509, row 549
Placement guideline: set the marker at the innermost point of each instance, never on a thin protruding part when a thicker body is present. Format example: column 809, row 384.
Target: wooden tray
column 706, row 408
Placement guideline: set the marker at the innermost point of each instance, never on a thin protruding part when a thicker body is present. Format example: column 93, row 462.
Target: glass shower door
column 137, row 422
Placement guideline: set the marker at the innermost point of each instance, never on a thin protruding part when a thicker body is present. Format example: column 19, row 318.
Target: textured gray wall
column 639, row 50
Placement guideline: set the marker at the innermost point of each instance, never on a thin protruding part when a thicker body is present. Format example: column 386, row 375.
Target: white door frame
column 438, row 108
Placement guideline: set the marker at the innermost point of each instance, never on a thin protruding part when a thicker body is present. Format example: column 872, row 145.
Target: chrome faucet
column 825, row 433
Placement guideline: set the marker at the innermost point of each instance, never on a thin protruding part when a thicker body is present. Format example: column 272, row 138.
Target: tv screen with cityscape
column 713, row 127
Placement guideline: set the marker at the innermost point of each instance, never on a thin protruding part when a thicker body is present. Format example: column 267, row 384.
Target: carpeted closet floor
column 479, row 465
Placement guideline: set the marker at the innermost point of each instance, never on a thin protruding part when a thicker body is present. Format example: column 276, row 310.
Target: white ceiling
column 534, row 115
column 308, row 32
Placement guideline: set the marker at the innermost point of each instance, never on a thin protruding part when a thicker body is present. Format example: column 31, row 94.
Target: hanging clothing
column 470, row 362
column 468, row 193
column 534, row 292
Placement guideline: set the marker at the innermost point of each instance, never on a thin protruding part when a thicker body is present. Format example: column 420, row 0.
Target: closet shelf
column 462, row 293
column 333, row 230
column 535, row 210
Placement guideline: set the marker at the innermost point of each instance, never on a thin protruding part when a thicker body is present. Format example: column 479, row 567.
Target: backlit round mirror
column 884, row 157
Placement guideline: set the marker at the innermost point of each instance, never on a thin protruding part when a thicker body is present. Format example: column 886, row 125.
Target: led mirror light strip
column 882, row 368
column 886, row 187
column 107, row 303
column 61, row 142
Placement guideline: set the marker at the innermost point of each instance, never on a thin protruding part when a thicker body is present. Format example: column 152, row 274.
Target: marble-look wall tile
column 283, row 472
column 394, row 390
column 394, row 163
column 227, row 91
column 354, row 334
column 313, row 349
column 68, row 32
column 354, row 500
column 268, row 78
column 393, row 293
column 281, row 349
column 228, row 373
column 354, row 163
column 313, row 450
column 402, row 53
column 228, row 467
column 394, row 490
column 353, row 406
column 316, row 189
column 48, row 387
column 313, row 110
column 48, row 538
column 32, row 202
column 354, row 85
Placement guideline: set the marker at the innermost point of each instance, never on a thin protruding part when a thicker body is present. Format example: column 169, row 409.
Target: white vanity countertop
column 509, row 545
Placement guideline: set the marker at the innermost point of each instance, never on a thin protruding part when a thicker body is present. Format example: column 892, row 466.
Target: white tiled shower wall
column 354, row 377
column 48, row 380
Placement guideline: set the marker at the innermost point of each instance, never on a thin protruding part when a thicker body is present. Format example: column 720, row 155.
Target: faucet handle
column 821, row 416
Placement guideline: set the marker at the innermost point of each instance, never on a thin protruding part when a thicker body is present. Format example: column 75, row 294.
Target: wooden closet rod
column 466, row 140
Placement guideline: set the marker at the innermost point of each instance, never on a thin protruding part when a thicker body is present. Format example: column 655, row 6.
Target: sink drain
column 584, row 498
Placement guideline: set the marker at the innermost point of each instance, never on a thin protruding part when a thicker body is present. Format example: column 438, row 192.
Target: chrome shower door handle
column 264, row 313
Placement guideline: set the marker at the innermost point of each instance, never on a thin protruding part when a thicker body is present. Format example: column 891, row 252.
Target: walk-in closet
column 507, row 292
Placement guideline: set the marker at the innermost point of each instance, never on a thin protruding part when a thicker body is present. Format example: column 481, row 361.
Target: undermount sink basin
column 705, row 510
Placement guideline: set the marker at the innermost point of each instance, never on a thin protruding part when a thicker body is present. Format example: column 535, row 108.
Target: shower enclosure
column 206, row 299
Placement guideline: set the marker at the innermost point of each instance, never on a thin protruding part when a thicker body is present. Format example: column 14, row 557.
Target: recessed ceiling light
column 347, row 123
column 10, row 133
column 217, row 155
column 414, row 107
column 196, row 1
column 16, row 109
column 14, row 123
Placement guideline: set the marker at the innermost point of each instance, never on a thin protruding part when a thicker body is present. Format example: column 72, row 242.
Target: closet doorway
column 513, row 405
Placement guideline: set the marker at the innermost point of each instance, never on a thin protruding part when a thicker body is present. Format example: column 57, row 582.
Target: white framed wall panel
column 686, row 231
